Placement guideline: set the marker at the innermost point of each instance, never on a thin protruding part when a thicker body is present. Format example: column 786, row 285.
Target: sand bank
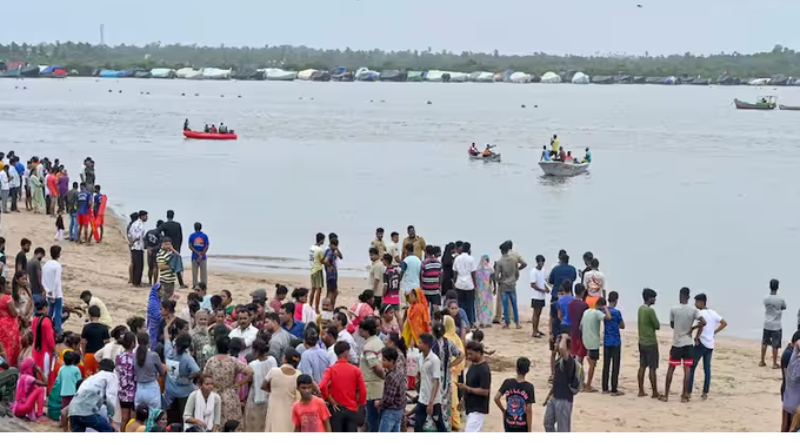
column 743, row 396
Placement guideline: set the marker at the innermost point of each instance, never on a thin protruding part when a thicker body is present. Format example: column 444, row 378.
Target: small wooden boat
column 764, row 103
column 788, row 108
column 213, row 136
column 563, row 169
column 493, row 158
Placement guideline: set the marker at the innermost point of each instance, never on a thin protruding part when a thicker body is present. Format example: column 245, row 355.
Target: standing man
column 14, row 184
column 136, row 243
column 174, row 231
column 499, row 311
column 152, row 244
column 315, row 257
column 507, row 274
column 34, row 268
column 595, row 283
column 590, row 335
column 166, row 276
column 648, row 324
column 371, row 366
column 566, row 383
column 410, row 270
column 682, row 321
column 330, row 260
column 773, row 330
column 5, row 188
column 704, row 342
column 51, row 282
column 539, row 297
column 431, row 278
column 198, row 243
column 376, row 272
column 63, row 189
column 393, row 249
column 21, row 262
column 52, row 188
column 99, row 220
column 71, row 202
column 520, row 397
column 429, row 402
column 88, row 176
column 464, row 268
column 612, row 345
column 562, row 272
column 417, row 241
column 84, row 213
column 393, row 401
column 477, row 388
column 378, row 242
column 343, row 387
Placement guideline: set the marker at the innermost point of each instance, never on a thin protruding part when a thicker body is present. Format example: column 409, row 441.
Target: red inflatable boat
column 204, row 135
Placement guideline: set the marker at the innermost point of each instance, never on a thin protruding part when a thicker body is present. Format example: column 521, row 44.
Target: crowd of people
column 408, row 355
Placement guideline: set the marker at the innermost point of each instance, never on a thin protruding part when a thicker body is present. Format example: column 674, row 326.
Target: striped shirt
column 166, row 276
column 431, row 274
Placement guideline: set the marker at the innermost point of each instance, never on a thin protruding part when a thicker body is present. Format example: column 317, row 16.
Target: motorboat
column 212, row 136
column 763, row 103
column 563, row 169
column 495, row 157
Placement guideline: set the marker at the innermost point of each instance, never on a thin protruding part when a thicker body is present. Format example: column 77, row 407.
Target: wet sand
column 743, row 396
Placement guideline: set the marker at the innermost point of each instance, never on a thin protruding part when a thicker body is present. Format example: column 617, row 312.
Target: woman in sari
column 483, row 293
column 450, row 356
column 457, row 367
column 417, row 319
column 9, row 326
column 44, row 340
column 37, row 193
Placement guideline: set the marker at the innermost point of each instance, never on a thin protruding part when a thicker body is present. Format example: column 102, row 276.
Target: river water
column 684, row 189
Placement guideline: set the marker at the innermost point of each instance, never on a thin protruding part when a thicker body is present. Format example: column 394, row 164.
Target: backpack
column 576, row 380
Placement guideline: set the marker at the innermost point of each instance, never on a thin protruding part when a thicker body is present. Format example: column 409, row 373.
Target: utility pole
column 102, row 35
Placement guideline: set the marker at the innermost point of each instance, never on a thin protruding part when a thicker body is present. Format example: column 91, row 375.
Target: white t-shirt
column 539, row 278
column 464, row 265
column 595, row 282
column 4, row 182
column 713, row 320
column 394, row 250
column 248, row 336
column 315, row 252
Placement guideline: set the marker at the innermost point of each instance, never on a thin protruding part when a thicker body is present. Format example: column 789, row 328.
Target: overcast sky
column 510, row 26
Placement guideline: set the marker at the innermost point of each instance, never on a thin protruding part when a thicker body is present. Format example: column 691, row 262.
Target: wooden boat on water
column 788, row 108
column 495, row 157
column 764, row 103
column 563, row 169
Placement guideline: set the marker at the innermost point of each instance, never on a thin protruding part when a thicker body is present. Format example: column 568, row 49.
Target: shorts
column 332, row 285
column 576, row 348
column 772, row 338
column 151, row 260
column 83, row 220
column 684, row 354
column 317, row 281
column 126, row 405
column 593, row 354
column 435, row 299
column 648, row 356
column 592, row 301
column 565, row 329
column 537, row 304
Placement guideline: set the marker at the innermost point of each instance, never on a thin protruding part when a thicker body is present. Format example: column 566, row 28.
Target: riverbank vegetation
column 85, row 57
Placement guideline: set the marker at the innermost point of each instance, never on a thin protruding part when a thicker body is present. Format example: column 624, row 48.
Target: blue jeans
column 700, row 351
column 54, row 312
column 390, row 420
column 510, row 295
column 78, row 424
column 373, row 417
column 37, row 298
column 73, row 226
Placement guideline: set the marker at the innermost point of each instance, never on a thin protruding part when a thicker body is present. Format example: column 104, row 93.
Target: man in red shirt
column 340, row 385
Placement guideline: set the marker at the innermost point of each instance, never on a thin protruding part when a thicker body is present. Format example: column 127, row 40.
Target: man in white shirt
column 464, row 268
column 14, row 185
column 539, row 295
column 53, row 291
column 393, row 249
column 704, row 341
column 595, row 283
column 340, row 322
column 136, row 242
column 5, row 188
column 246, row 331
column 95, row 392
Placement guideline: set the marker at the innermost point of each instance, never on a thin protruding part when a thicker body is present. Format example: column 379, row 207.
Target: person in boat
column 587, row 158
column 473, row 150
column 545, row 155
column 561, row 156
column 487, row 152
column 186, row 125
column 213, row 128
column 208, row 129
column 222, row 128
column 569, row 157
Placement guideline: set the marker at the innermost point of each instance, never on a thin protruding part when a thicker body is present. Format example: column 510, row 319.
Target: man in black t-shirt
column 21, row 263
column 34, row 268
column 173, row 230
column 558, row 414
column 94, row 335
column 519, row 395
column 152, row 243
column 476, row 388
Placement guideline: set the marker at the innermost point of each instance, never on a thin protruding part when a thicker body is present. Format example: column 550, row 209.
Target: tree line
column 85, row 58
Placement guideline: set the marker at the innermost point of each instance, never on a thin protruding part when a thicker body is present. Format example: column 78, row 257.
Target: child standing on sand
column 59, row 227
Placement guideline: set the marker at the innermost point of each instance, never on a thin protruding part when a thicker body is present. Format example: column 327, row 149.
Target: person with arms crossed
column 520, row 397
column 682, row 320
column 704, row 342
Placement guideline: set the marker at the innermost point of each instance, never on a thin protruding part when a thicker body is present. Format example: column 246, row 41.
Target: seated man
column 207, row 129
column 545, row 154
column 487, row 152
column 473, row 150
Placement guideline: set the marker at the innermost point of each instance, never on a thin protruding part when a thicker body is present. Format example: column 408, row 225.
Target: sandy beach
column 743, row 396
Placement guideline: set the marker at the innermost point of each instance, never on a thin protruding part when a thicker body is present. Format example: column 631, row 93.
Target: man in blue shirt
column 198, row 243
column 564, row 271
column 84, row 204
column 288, row 322
column 612, row 344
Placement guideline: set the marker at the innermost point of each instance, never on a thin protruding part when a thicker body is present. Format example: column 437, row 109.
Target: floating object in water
column 383, row 101
column 563, row 169
column 495, row 157
column 16, row 88
column 183, row 94
column 196, row 94
column 221, row 95
column 147, row 93
column 535, row 106
column 523, row 106
column 213, row 136
column 110, row 91
column 430, row 103
column 240, row 97
column 120, row 91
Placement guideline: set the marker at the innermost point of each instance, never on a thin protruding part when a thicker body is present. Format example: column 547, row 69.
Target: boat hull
column 494, row 158
column 563, row 169
column 741, row 105
column 210, row 136
column 788, row 108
